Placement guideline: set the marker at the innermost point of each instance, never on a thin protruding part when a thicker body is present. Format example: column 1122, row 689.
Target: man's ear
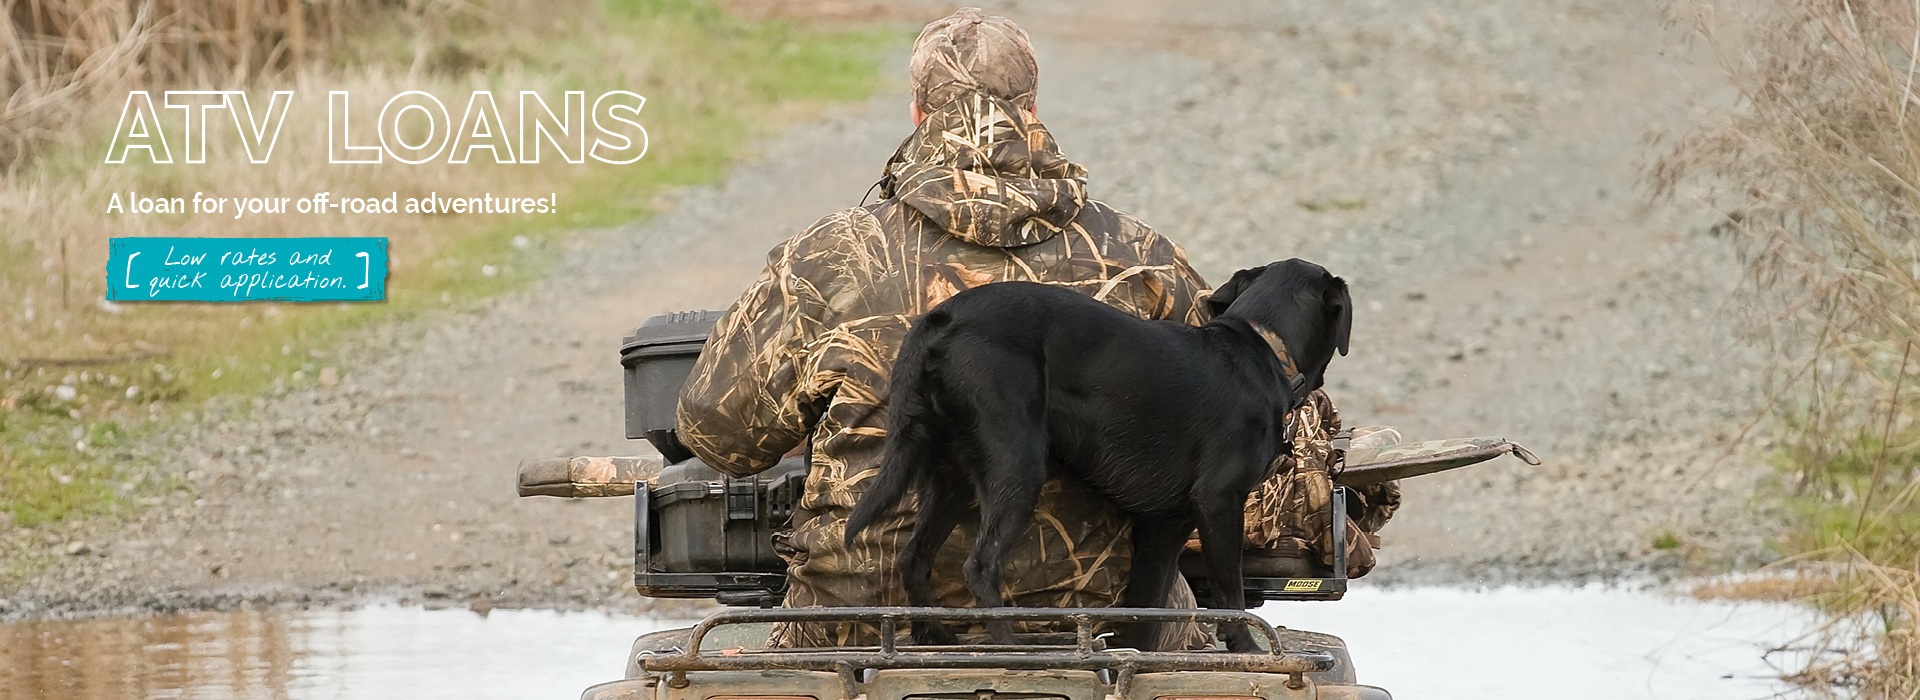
column 1340, row 314
column 1224, row 295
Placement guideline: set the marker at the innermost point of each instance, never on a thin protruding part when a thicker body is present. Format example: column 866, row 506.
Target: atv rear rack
column 1084, row 654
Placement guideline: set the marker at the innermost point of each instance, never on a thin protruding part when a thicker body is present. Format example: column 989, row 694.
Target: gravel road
column 1467, row 165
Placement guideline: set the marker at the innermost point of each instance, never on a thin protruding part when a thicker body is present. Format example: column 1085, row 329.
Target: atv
column 701, row 534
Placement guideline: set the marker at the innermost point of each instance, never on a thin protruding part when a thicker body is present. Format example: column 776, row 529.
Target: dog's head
column 1302, row 302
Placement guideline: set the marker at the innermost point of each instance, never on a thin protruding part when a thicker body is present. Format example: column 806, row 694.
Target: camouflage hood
column 988, row 173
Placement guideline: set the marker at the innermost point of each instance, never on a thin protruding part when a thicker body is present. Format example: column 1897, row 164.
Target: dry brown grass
column 1818, row 174
column 1869, row 650
column 58, row 55
column 1777, row 587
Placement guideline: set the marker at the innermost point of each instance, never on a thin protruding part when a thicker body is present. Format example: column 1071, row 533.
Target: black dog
column 1174, row 423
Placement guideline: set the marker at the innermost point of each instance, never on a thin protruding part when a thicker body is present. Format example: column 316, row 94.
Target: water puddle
column 1558, row 642
column 1421, row 643
column 366, row 654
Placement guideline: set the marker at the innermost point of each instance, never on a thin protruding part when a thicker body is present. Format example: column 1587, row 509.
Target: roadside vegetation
column 81, row 379
column 1818, row 172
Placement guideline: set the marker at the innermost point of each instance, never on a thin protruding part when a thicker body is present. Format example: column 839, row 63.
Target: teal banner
column 247, row 269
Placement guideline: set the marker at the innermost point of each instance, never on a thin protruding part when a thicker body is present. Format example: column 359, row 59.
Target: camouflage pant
column 1076, row 554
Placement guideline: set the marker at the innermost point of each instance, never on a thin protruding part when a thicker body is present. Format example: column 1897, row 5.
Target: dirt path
column 1468, row 166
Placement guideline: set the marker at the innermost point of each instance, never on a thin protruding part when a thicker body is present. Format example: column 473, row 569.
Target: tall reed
column 1817, row 171
column 55, row 55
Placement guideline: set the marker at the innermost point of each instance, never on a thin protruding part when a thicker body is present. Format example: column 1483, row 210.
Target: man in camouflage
column 978, row 194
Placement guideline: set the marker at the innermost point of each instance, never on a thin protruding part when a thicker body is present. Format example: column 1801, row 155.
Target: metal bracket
column 642, row 530
column 1339, row 507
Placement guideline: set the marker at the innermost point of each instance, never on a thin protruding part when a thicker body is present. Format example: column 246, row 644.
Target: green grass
column 1835, row 483
column 1666, row 540
column 728, row 81
column 1325, row 205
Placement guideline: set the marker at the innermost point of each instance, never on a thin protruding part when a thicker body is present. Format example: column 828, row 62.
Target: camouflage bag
column 1290, row 514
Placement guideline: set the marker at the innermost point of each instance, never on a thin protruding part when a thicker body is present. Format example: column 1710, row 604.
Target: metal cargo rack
column 1086, row 652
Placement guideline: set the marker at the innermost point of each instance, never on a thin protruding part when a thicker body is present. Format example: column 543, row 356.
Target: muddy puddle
column 367, row 654
column 1422, row 643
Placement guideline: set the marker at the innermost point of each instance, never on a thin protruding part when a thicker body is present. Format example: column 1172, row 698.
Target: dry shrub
column 56, row 56
column 1818, row 173
column 1871, row 650
column 59, row 53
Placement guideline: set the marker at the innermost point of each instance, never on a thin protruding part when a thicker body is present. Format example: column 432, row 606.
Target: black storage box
column 657, row 359
column 701, row 534
column 707, row 521
column 698, row 533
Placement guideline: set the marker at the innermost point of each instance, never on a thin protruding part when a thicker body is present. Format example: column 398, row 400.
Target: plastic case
column 692, row 498
column 698, row 533
column 657, row 359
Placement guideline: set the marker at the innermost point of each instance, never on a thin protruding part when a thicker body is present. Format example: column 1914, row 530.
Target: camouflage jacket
column 978, row 194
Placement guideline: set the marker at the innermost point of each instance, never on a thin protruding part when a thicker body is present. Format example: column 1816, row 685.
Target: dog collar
column 1296, row 382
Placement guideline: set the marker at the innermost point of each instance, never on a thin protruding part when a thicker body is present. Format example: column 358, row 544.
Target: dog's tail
column 911, row 424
